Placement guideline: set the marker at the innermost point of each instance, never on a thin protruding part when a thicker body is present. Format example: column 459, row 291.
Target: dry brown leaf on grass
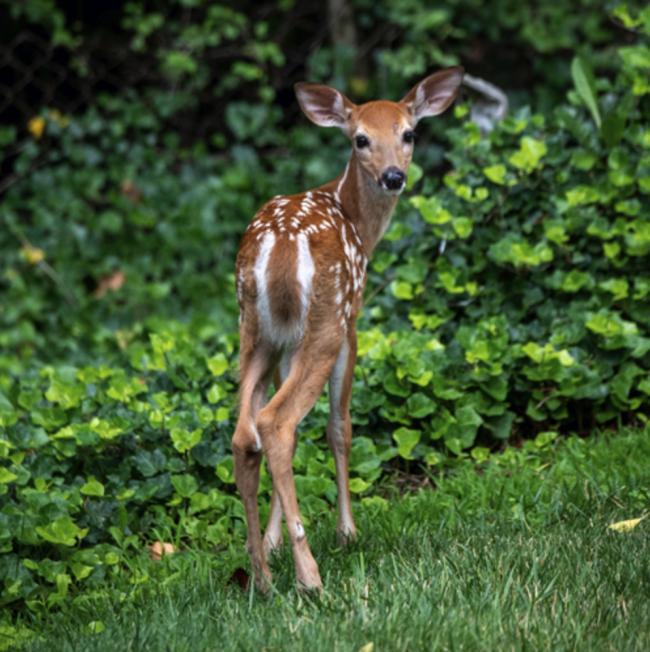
column 626, row 526
column 161, row 549
column 112, row 282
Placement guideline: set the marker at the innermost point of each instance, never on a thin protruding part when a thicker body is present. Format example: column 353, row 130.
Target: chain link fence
column 34, row 73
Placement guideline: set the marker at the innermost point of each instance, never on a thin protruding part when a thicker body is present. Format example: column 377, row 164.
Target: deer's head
column 382, row 132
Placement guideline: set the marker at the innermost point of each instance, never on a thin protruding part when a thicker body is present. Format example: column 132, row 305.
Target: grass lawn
column 511, row 554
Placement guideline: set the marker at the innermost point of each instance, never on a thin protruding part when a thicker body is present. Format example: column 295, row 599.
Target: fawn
column 301, row 272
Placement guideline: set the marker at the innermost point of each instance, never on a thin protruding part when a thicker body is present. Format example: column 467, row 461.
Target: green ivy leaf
column 418, row 405
column 106, row 429
column 480, row 454
column 63, row 531
column 92, row 487
column 617, row 287
column 529, row 155
column 358, row 485
column 6, row 476
column 225, row 471
column 184, row 439
column 216, row 393
column 217, row 364
column 463, row 226
column 402, row 290
column 501, row 426
column 185, row 485
column 609, row 324
column 406, row 440
column 496, row 173
column 178, row 63
column 468, row 417
column 431, row 209
column 67, row 394
column 8, row 414
column 123, row 389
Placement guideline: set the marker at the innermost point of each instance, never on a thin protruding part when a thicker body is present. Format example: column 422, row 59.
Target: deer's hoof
column 346, row 535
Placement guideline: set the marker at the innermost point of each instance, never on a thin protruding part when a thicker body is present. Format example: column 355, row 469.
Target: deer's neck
column 364, row 203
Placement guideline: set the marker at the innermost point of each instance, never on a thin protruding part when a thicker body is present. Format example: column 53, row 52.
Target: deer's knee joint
column 246, row 442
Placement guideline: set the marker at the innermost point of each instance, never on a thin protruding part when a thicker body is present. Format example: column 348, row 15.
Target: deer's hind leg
column 256, row 366
column 277, row 422
column 273, row 534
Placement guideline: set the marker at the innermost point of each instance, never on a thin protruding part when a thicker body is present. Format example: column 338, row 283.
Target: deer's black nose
column 393, row 178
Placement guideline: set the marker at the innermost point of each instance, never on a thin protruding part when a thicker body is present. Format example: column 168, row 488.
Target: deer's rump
column 283, row 251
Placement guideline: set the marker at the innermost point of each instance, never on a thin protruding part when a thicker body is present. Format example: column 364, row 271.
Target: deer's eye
column 361, row 141
column 409, row 136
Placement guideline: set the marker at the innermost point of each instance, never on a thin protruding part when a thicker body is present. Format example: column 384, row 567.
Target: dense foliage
column 510, row 298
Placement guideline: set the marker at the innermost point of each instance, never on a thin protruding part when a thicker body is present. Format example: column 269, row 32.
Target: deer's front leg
column 339, row 431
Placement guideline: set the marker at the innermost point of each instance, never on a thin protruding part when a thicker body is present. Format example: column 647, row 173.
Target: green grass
column 513, row 554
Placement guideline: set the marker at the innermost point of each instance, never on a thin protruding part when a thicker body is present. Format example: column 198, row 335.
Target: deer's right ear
column 434, row 94
column 323, row 105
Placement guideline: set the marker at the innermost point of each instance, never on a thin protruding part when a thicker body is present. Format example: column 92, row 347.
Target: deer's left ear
column 323, row 105
column 434, row 94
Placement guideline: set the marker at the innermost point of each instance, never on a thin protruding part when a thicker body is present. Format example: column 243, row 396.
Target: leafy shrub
column 99, row 454
column 526, row 278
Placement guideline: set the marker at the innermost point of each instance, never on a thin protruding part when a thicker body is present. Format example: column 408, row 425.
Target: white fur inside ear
column 434, row 95
column 326, row 110
column 419, row 97
column 331, row 117
column 337, row 105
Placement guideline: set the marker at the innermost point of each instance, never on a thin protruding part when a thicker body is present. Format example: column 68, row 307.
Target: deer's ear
column 434, row 94
column 323, row 105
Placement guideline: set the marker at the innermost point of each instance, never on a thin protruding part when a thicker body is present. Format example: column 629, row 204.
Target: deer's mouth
column 392, row 180
column 391, row 192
